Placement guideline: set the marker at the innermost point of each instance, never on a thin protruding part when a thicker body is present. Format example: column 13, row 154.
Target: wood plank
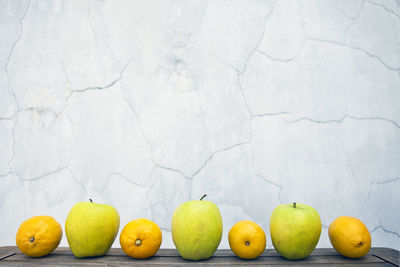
column 313, row 259
column 170, row 263
column 387, row 254
column 9, row 249
column 219, row 252
column 116, row 257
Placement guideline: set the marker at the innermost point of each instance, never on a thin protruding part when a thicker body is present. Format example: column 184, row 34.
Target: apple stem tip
column 91, row 200
column 203, row 197
column 294, row 204
column 32, row 239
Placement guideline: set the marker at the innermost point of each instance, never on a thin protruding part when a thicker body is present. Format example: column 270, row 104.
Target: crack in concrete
column 46, row 174
column 384, row 8
column 258, row 43
column 42, row 110
column 52, row 172
column 308, row 39
column 127, row 179
column 155, row 163
column 300, row 49
column 386, row 181
column 377, row 183
column 7, row 174
column 314, row 120
column 137, row 120
column 285, row 60
column 12, row 53
column 13, row 143
column 149, row 188
column 338, row 121
column 78, row 181
column 217, row 152
column 32, row 109
column 345, row 155
column 158, row 165
column 270, row 114
column 9, row 81
column 205, row 163
column 241, row 72
column 385, row 230
column 170, row 169
column 357, row 49
column 148, row 192
column 355, row 21
column 274, row 184
column 301, row 17
column 246, row 104
column 121, row 73
column 99, row 88
column 347, row 16
column 8, row 118
column 374, row 118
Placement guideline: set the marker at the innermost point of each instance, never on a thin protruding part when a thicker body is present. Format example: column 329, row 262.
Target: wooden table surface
column 11, row 256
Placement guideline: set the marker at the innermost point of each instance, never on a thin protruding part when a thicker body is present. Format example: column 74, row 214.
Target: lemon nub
column 247, row 243
column 138, row 242
column 32, row 239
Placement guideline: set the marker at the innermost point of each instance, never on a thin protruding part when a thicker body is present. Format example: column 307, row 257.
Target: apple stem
column 91, row 200
column 32, row 239
column 294, row 204
column 203, row 197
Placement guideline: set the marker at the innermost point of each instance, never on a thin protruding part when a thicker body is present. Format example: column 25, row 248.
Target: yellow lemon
column 350, row 237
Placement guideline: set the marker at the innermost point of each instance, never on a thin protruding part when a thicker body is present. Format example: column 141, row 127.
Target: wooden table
column 11, row 256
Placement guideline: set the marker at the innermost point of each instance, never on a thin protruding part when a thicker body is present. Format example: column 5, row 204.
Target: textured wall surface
column 147, row 104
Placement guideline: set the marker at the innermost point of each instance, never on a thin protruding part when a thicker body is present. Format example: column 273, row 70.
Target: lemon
column 350, row 237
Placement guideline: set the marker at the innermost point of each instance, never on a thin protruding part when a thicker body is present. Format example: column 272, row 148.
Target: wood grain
column 170, row 257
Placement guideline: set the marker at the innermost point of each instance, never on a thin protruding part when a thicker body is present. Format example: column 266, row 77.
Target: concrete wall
column 147, row 104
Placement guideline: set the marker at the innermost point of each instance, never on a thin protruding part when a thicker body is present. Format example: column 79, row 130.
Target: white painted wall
column 147, row 104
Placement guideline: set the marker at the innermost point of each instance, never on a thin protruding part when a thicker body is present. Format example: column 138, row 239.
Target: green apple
column 197, row 229
column 91, row 228
column 295, row 230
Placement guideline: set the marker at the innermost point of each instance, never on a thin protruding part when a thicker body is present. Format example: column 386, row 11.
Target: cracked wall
column 145, row 105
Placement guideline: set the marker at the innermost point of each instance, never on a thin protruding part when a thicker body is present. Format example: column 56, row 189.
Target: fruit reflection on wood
column 91, row 229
